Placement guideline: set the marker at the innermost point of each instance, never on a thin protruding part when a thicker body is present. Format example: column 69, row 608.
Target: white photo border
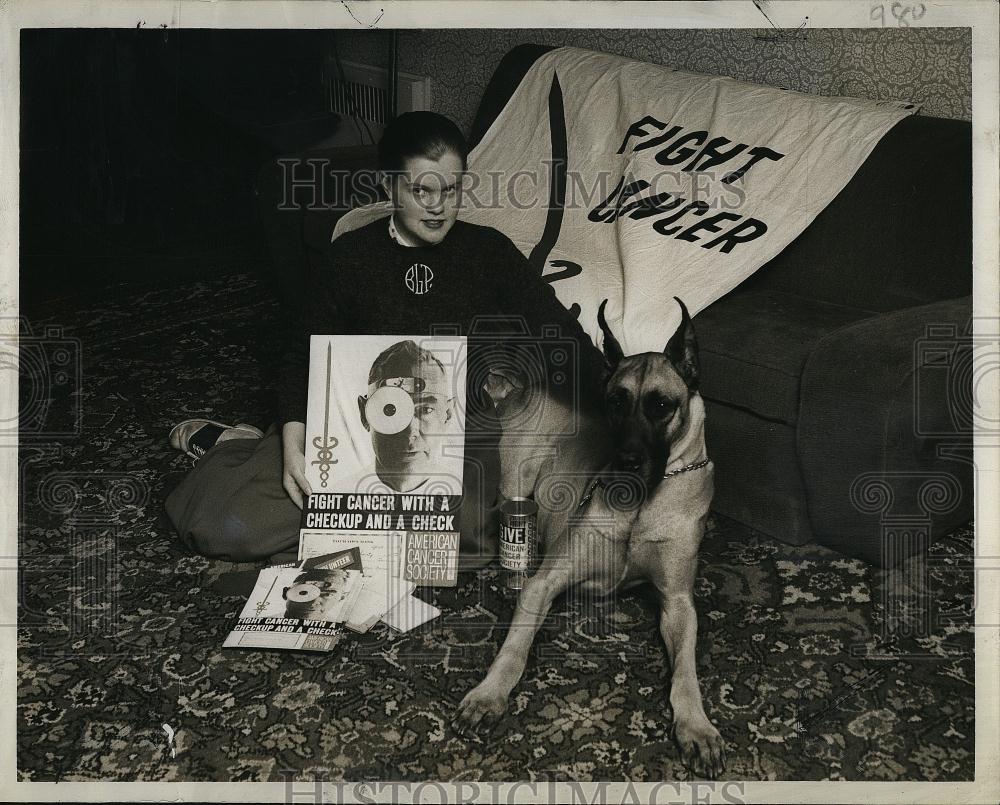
column 979, row 15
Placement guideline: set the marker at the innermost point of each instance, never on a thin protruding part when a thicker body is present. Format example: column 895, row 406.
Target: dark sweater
column 474, row 283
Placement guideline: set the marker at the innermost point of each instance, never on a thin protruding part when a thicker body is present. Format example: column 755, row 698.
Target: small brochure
column 301, row 606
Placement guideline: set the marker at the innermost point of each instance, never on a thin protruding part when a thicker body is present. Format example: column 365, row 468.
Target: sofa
column 836, row 377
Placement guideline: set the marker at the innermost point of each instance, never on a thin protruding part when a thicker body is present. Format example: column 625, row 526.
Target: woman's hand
column 293, row 446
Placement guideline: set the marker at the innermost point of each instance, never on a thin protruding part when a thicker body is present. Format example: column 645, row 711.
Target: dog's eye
column 661, row 408
column 616, row 401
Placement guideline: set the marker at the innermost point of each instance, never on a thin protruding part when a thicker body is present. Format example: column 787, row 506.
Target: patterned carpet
column 121, row 630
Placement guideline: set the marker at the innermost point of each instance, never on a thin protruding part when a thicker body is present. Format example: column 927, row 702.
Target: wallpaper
column 931, row 67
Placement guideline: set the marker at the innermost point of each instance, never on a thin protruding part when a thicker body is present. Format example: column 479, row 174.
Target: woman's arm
column 293, row 448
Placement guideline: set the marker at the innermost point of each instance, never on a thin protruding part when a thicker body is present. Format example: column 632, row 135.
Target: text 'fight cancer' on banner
column 636, row 182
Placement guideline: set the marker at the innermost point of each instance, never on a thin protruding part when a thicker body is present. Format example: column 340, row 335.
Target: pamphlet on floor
column 301, row 605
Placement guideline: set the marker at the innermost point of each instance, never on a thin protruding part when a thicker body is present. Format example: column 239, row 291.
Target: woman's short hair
column 419, row 134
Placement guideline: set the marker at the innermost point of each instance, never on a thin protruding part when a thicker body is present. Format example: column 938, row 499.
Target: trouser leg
column 232, row 504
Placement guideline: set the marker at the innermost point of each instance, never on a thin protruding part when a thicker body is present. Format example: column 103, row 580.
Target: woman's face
column 426, row 197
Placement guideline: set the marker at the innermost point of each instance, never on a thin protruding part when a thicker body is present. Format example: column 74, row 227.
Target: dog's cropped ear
column 500, row 384
column 682, row 349
column 613, row 353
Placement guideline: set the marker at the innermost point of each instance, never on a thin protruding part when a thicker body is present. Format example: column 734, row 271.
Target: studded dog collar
column 697, row 465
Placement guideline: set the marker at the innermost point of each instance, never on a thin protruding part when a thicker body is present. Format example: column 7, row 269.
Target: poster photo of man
column 386, row 414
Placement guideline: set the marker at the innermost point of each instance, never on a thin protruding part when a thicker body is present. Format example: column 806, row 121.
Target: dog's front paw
column 479, row 711
column 702, row 749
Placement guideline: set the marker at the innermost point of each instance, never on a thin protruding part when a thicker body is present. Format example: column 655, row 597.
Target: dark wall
column 139, row 149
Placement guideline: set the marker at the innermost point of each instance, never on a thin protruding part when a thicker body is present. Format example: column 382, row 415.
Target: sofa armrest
column 877, row 400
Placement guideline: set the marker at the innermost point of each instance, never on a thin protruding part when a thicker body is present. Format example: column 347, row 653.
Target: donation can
column 518, row 540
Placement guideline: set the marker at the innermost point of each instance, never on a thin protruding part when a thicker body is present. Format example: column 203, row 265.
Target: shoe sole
column 186, row 449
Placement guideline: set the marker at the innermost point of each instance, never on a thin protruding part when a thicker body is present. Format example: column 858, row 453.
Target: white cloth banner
column 676, row 183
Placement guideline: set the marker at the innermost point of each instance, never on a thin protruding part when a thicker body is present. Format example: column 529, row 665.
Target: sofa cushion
column 757, row 478
column 885, row 428
column 754, row 345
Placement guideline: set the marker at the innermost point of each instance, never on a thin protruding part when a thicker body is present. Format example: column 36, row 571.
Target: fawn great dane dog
column 640, row 482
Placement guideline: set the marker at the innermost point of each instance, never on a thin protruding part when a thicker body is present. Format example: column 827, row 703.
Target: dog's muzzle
column 630, row 461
